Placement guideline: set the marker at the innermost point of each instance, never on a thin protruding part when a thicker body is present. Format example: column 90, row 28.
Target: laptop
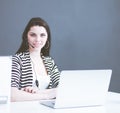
column 5, row 80
column 81, row 88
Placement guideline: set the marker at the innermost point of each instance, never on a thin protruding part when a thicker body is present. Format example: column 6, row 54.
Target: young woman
column 35, row 75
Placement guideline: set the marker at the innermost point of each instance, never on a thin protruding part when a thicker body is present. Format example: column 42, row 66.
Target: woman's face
column 37, row 37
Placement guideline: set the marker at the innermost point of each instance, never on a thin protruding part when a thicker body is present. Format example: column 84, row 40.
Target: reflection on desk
column 112, row 106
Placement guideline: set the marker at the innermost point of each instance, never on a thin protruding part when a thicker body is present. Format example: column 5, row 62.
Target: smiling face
column 37, row 37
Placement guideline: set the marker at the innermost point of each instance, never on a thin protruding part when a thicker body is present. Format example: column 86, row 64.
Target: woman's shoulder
column 48, row 58
column 21, row 55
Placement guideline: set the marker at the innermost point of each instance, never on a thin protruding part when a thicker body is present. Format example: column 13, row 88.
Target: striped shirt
column 22, row 75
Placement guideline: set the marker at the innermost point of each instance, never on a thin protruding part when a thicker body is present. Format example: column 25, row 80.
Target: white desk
column 112, row 106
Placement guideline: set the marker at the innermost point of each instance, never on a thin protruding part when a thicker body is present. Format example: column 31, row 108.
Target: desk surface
column 112, row 106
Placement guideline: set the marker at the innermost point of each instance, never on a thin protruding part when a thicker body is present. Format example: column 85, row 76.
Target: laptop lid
column 5, row 79
column 78, row 88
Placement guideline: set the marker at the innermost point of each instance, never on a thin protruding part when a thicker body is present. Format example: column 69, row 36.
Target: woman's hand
column 49, row 93
column 45, row 94
column 30, row 89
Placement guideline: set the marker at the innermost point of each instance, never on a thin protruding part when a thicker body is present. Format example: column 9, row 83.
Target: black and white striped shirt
column 22, row 75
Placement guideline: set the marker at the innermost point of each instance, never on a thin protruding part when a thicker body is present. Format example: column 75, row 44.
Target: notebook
column 81, row 88
column 5, row 80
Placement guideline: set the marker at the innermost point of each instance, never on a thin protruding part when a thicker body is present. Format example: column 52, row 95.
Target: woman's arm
column 21, row 95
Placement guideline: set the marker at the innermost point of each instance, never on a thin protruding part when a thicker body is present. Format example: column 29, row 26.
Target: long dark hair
column 37, row 21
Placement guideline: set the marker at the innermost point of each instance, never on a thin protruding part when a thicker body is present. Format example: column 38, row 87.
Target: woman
column 35, row 75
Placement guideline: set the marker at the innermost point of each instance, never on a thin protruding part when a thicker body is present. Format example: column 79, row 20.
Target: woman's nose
column 38, row 38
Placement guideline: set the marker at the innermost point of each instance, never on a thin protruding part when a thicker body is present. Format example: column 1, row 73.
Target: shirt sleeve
column 15, row 78
column 55, row 74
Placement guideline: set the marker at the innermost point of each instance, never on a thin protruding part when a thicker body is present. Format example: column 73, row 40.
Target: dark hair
column 36, row 22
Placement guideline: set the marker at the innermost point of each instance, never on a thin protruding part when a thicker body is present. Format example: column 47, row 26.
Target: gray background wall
column 85, row 33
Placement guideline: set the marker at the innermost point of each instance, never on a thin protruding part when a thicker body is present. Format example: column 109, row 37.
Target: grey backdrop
column 85, row 33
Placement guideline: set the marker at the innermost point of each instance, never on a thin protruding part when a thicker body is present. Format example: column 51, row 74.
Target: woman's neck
column 35, row 54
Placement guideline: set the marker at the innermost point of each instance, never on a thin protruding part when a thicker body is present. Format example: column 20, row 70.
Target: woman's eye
column 42, row 35
column 33, row 35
